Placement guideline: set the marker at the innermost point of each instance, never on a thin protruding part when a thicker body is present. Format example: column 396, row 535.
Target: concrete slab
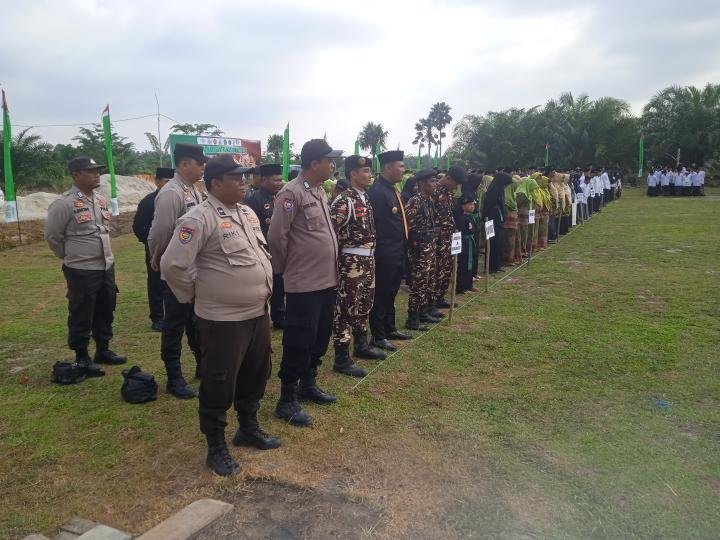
column 103, row 532
column 190, row 521
column 78, row 525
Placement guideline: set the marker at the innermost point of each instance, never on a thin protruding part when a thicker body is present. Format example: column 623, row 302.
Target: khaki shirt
column 302, row 239
column 172, row 201
column 218, row 256
column 78, row 230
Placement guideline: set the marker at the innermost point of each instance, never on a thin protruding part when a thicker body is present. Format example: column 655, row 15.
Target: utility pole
column 160, row 144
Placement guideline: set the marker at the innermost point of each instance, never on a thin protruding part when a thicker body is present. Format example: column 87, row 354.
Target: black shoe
column 108, row 357
column 383, row 344
column 345, row 365
column 157, row 326
column 426, row 317
column 218, row 458
column 413, row 322
column 289, row 409
column 399, row 336
column 255, row 437
column 91, row 368
column 435, row 312
column 443, row 304
column 179, row 388
column 314, row 394
column 364, row 350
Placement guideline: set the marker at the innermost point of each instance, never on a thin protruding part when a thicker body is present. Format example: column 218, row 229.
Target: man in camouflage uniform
column 422, row 252
column 352, row 218
column 262, row 201
column 444, row 193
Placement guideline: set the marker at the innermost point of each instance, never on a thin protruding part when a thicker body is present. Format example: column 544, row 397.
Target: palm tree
column 371, row 137
column 424, row 134
column 160, row 150
column 440, row 117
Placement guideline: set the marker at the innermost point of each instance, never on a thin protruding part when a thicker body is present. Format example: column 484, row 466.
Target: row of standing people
column 681, row 181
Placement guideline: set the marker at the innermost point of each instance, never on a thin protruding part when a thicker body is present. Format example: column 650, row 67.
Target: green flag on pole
column 110, row 164
column 286, row 154
column 11, row 214
column 377, row 160
column 357, row 147
column 418, row 161
column 547, row 154
column 641, row 156
column 436, row 161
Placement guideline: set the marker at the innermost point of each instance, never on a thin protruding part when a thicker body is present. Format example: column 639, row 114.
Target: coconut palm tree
column 371, row 137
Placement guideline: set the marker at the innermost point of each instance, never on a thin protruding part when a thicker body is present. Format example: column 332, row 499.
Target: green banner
column 11, row 214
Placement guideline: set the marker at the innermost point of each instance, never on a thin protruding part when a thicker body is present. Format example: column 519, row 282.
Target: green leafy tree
column 34, row 162
column 371, row 137
column 424, row 134
column 161, row 151
column 275, row 147
column 91, row 142
column 207, row 130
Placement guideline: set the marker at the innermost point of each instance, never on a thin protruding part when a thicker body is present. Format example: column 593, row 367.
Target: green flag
column 357, row 147
column 110, row 164
column 418, row 161
column 11, row 214
column 286, row 154
column 377, row 160
column 436, row 161
column 641, row 156
column 547, row 154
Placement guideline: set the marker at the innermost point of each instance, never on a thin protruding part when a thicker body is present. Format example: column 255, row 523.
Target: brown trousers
column 236, row 366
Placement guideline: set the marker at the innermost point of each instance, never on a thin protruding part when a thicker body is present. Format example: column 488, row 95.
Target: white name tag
column 456, row 243
column 531, row 217
column 489, row 229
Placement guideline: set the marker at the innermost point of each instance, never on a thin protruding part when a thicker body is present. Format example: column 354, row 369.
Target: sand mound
column 130, row 191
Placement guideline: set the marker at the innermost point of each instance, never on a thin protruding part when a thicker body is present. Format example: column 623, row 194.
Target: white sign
column 456, row 243
column 592, row 191
column 489, row 229
column 531, row 217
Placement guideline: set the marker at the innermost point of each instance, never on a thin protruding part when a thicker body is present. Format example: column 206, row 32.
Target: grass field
column 580, row 397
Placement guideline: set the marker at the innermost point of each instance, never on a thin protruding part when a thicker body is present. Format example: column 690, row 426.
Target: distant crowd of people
column 680, row 181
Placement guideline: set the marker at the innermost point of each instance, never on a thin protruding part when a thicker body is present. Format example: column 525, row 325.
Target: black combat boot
column 289, row 409
column 433, row 311
column 413, row 322
column 82, row 359
column 345, row 365
column 363, row 350
column 249, row 432
column 443, row 304
column 103, row 355
column 308, row 390
column 218, row 458
column 426, row 317
column 176, row 384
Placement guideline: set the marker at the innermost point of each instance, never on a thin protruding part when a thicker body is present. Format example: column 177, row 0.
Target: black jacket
column 262, row 203
column 389, row 227
column 144, row 216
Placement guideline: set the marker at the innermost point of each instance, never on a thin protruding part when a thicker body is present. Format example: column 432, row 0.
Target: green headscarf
column 527, row 187
column 510, row 202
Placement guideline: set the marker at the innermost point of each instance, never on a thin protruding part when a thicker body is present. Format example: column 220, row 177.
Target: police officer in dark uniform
column 262, row 201
column 391, row 230
column 78, row 232
column 141, row 228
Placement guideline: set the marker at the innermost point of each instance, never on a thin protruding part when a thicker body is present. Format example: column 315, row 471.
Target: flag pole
column 11, row 206
column 107, row 132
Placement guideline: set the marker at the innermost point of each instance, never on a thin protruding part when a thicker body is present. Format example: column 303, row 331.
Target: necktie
column 402, row 211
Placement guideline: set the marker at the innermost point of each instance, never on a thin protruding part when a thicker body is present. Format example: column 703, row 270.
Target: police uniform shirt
column 263, row 203
column 218, row 256
column 172, row 201
column 78, row 230
column 302, row 238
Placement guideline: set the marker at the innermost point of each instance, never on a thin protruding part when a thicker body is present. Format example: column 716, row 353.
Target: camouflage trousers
column 423, row 270
column 444, row 265
column 355, row 293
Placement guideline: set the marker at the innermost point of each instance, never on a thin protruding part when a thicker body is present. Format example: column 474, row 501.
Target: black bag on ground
column 68, row 373
column 138, row 387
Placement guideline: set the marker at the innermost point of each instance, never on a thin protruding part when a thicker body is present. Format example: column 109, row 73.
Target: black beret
column 187, row 150
column 425, row 174
column 457, row 174
column 391, row 156
column 164, row 172
column 268, row 169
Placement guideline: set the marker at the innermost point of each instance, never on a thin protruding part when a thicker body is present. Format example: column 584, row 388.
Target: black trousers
column 277, row 300
column 308, row 327
column 154, row 289
column 497, row 246
column 388, row 275
column 179, row 318
column 92, row 296
column 236, row 366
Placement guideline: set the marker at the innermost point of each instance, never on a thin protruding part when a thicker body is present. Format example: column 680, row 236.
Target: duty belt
column 365, row 252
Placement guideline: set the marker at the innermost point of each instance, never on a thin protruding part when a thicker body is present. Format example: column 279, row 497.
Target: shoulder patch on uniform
column 185, row 234
column 221, row 211
column 288, row 205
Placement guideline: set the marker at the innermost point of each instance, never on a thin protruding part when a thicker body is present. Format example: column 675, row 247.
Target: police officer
column 305, row 251
column 262, row 201
column 391, row 228
column 352, row 217
column 175, row 198
column 444, row 204
column 422, row 250
column 218, row 257
column 141, row 228
column 78, row 232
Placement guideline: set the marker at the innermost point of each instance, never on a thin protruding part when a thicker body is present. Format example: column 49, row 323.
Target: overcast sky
column 329, row 67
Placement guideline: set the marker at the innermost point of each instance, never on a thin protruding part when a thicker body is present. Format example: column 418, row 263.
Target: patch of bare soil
column 274, row 510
